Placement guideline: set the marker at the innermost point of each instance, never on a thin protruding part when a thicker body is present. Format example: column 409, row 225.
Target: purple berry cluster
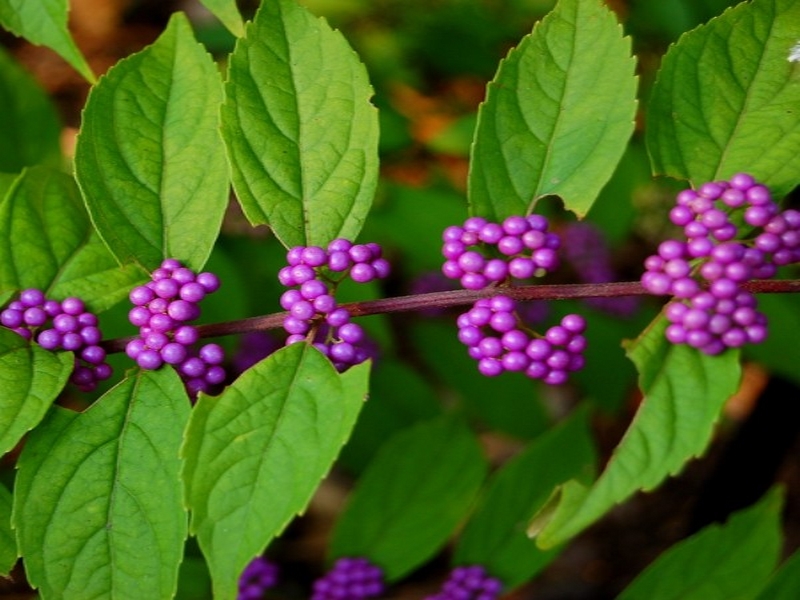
column 349, row 579
column 469, row 583
column 585, row 248
column 313, row 314
column 704, row 273
column 525, row 249
column 492, row 329
column 258, row 576
column 495, row 338
column 162, row 310
column 65, row 325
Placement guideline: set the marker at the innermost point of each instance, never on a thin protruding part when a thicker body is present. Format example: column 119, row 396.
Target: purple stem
column 463, row 297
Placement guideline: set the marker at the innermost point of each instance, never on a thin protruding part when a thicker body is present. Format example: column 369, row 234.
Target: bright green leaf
column 495, row 535
column 301, row 134
column 44, row 23
column 228, row 13
column 684, row 393
column 8, row 543
column 49, row 243
column 256, row 454
column 721, row 562
column 726, row 99
column 31, row 379
column 97, row 503
column 30, row 130
column 785, row 582
column 557, row 115
column 149, row 157
column 783, row 312
column 412, row 496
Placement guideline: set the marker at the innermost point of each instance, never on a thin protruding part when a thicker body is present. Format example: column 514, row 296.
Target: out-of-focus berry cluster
column 313, row 314
column 259, row 575
column 64, row 325
column 704, row 273
column 586, row 249
column 162, row 310
column 350, row 578
column 481, row 254
column 469, row 583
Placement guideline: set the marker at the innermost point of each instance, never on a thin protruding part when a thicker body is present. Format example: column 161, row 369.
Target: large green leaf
column 48, row 242
column 785, row 581
column 30, row 379
column 30, row 131
column 684, row 392
column 301, row 134
column 255, row 454
column 412, row 496
column 228, row 13
column 726, row 99
column 8, row 543
column 97, row 503
column 557, row 115
column 495, row 535
column 721, row 562
column 44, row 22
column 149, row 157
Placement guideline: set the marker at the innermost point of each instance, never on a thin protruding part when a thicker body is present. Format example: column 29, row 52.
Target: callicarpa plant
column 177, row 382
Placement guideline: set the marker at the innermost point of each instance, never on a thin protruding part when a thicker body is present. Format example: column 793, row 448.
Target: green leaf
column 228, row 13
column 785, row 582
column 8, row 543
column 149, row 157
column 301, row 134
column 721, row 562
column 31, row 379
column 411, row 497
column 726, row 99
column 48, row 242
column 684, row 393
column 783, row 312
column 557, row 115
column 29, row 123
column 44, row 23
column 255, row 454
column 495, row 534
column 97, row 503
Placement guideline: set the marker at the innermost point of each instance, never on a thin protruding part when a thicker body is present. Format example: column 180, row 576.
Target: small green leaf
column 97, row 503
column 48, row 242
column 721, row 562
column 44, row 23
column 31, row 379
column 412, row 496
column 684, row 392
column 726, row 99
column 228, row 14
column 785, row 581
column 149, row 157
column 255, row 454
column 30, row 131
column 495, row 534
column 8, row 543
column 557, row 115
column 301, row 134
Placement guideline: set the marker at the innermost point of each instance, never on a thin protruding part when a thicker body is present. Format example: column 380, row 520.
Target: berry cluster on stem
column 258, row 576
column 469, row 583
column 313, row 314
column 162, row 310
column 350, row 578
column 492, row 329
column 706, row 273
column 64, row 325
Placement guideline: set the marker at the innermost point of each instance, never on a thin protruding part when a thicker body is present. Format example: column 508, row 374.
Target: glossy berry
column 469, row 583
column 258, row 576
